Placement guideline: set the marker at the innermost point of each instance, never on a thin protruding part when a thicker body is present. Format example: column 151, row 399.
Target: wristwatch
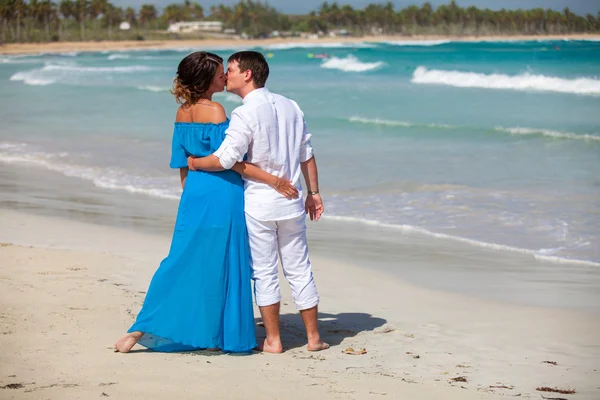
column 313, row 193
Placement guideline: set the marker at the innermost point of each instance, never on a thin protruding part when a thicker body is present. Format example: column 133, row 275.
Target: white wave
column 231, row 48
column 19, row 59
column 67, row 63
column 151, row 57
column 384, row 122
column 512, row 131
column 107, row 183
column 106, row 178
column 70, row 72
column 417, row 42
column 127, row 55
column 537, row 254
column 32, row 78
column 377, row 121
column 528, row 82
column 12, row 146
column 229, row 97
column 118, row 57
column 548, row 133
column 223, row 96
column 350, row 64
column 78, row 68
column 155, row 89
column 45, row 59
column 56, row 53
column 327, row 45
column 189, row 50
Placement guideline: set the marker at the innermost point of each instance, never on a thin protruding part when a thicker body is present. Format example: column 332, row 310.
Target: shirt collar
column 255, row 93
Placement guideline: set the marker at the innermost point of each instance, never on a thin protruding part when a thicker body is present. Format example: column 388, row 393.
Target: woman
column 200, row 296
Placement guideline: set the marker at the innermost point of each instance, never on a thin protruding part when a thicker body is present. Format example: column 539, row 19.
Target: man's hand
column 314, row 206
column 286, row 188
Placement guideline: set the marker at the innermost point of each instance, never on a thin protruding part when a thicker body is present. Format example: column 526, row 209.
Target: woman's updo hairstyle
column 194, row 76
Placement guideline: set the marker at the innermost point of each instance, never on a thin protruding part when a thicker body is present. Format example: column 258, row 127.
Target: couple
column 230, row 230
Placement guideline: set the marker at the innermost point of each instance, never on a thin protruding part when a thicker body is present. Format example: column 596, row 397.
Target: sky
column 581, row 7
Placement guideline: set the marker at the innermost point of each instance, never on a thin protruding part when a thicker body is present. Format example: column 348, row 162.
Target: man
column 271, row 130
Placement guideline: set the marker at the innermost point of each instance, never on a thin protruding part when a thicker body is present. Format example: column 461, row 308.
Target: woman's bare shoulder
column 206, row 111
column 216, row 112
column 183, row 114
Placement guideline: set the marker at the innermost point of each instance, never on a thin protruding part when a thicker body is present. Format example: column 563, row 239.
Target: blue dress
column 201, row 296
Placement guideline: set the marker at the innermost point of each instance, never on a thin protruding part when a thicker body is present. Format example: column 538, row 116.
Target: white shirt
column 271, row 130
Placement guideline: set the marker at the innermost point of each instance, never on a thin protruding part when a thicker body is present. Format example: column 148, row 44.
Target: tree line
column 68, row 20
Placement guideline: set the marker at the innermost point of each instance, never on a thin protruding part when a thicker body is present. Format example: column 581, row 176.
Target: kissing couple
column 241, row 213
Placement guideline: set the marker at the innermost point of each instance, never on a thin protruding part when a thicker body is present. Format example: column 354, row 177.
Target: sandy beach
column 57, row 47
column 69, row 289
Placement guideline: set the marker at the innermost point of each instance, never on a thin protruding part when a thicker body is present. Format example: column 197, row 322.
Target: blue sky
column 302, row 7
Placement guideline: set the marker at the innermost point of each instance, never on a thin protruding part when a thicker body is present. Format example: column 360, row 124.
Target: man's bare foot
column 127, row 341
column 320, row 345
column 267, row 347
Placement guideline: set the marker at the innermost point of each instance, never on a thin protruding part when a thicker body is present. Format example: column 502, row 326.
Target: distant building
column 340, row 32
column 305, row 35
column 196, row 26
column 124, row 26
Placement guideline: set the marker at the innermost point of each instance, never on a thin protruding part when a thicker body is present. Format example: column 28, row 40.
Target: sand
column 68, row 290
column 58, row 47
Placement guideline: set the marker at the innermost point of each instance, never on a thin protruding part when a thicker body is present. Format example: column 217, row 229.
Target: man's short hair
column 255, row 62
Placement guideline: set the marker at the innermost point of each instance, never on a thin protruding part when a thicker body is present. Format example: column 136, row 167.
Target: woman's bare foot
column 320, row 345
column 127, row 341
column 268, row 347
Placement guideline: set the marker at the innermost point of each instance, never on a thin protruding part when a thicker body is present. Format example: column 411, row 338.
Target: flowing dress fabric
column 201, row 296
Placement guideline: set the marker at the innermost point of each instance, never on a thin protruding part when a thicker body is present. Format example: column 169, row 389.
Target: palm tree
column 47, row 13
column 147, row 14
column 424, row 15
column 334, row 15
column 33, row 10
column 411, row 15
column 19, row 8
column 348, row 17
column 173, row 13
column 591, row 21
column 113, row 15
column 194, row 10
column 67, row 10
column 81, row 13
column 96, row 9
column 5, row 14
column 130, row 16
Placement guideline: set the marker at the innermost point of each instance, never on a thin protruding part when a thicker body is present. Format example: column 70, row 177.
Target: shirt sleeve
column 306, row 149
column 178, row 154
column 236, row 142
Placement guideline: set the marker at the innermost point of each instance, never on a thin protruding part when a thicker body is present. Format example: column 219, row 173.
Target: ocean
column 488, row 144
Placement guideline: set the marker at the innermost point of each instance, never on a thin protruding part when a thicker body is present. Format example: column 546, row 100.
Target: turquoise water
column 495, row 144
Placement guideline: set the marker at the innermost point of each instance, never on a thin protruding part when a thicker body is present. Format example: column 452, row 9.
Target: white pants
column 284, row 240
